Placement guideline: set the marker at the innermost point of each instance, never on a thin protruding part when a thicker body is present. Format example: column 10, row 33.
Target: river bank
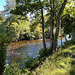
column 60, row 63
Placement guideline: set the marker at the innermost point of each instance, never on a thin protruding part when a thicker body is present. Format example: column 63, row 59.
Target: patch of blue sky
column 2, row 3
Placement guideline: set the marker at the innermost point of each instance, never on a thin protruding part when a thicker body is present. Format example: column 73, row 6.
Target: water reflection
column 17, row 51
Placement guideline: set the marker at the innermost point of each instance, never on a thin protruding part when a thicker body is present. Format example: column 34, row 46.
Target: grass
column 60, row 63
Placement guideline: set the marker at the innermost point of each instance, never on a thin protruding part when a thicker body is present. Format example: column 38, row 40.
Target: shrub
column 31, row 62
column 3, row 45
column 13, row 69
column 70, row 42
column 43, row 53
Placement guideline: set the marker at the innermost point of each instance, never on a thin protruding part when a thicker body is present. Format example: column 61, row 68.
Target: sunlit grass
column 60, row 63
column 57, row 64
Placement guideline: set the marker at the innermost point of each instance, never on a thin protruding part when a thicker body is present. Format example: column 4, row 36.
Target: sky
column 2, row 2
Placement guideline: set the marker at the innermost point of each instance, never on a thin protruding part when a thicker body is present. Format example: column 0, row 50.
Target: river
column 20, row 51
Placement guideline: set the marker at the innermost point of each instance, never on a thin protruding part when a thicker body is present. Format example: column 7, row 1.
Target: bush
column 2, row 58
column 13, row 69
column 31, row 62
column 43, row 53
column 3, row 38
column 3, row 45
column 70, row 42
column 72, row 72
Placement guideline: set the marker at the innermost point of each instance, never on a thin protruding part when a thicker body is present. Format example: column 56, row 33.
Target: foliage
column 43, row 53
column 68, row 19
column 19, row 28
column 69, row 42
column 3, row 46
column 2, row 57
column 68, row 23
column 72, row 72
column 3, row 38
column 31, row 63
column 13, row 69
column 2, row 16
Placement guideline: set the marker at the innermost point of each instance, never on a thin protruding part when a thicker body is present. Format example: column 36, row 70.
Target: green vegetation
column 19, row 29
column 3, row 45
column 27, row 20
column 60, row 63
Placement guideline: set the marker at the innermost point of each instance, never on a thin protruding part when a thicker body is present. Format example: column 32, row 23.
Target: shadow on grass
column 72, row 71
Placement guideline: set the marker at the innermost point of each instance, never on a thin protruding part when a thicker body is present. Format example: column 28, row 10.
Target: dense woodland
column 37, row 19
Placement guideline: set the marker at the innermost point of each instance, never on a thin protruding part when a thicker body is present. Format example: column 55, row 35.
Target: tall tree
column 58, row 25
column 42, row 17
column 51, row 25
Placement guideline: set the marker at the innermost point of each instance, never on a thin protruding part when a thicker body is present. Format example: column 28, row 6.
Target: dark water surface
column 21, row 50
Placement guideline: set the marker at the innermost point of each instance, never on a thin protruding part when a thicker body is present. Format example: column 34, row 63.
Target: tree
column 3, row 45
column 58, row 25
column 44, row 45
column 51, row 25
column 2, row 16
column 68, row 18
column 68, row 22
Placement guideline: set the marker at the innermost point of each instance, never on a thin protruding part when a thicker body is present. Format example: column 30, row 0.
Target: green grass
column 60, row 63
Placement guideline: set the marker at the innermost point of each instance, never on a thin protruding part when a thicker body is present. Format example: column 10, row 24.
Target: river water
column 21, row 50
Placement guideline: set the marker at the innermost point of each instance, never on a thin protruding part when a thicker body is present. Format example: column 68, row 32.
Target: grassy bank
column 60, row 63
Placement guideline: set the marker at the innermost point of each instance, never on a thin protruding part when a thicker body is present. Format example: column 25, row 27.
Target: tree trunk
column 1, row 68
column 42, row 17
column 51, row 26
column 58, row 25
column 73, row 34
column 65, row 38
column 43, row 37
column 2, row 58
column 61, row 36
column 57, row 34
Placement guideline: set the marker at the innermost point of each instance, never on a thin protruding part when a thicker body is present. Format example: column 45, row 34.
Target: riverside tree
column 55, row 10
